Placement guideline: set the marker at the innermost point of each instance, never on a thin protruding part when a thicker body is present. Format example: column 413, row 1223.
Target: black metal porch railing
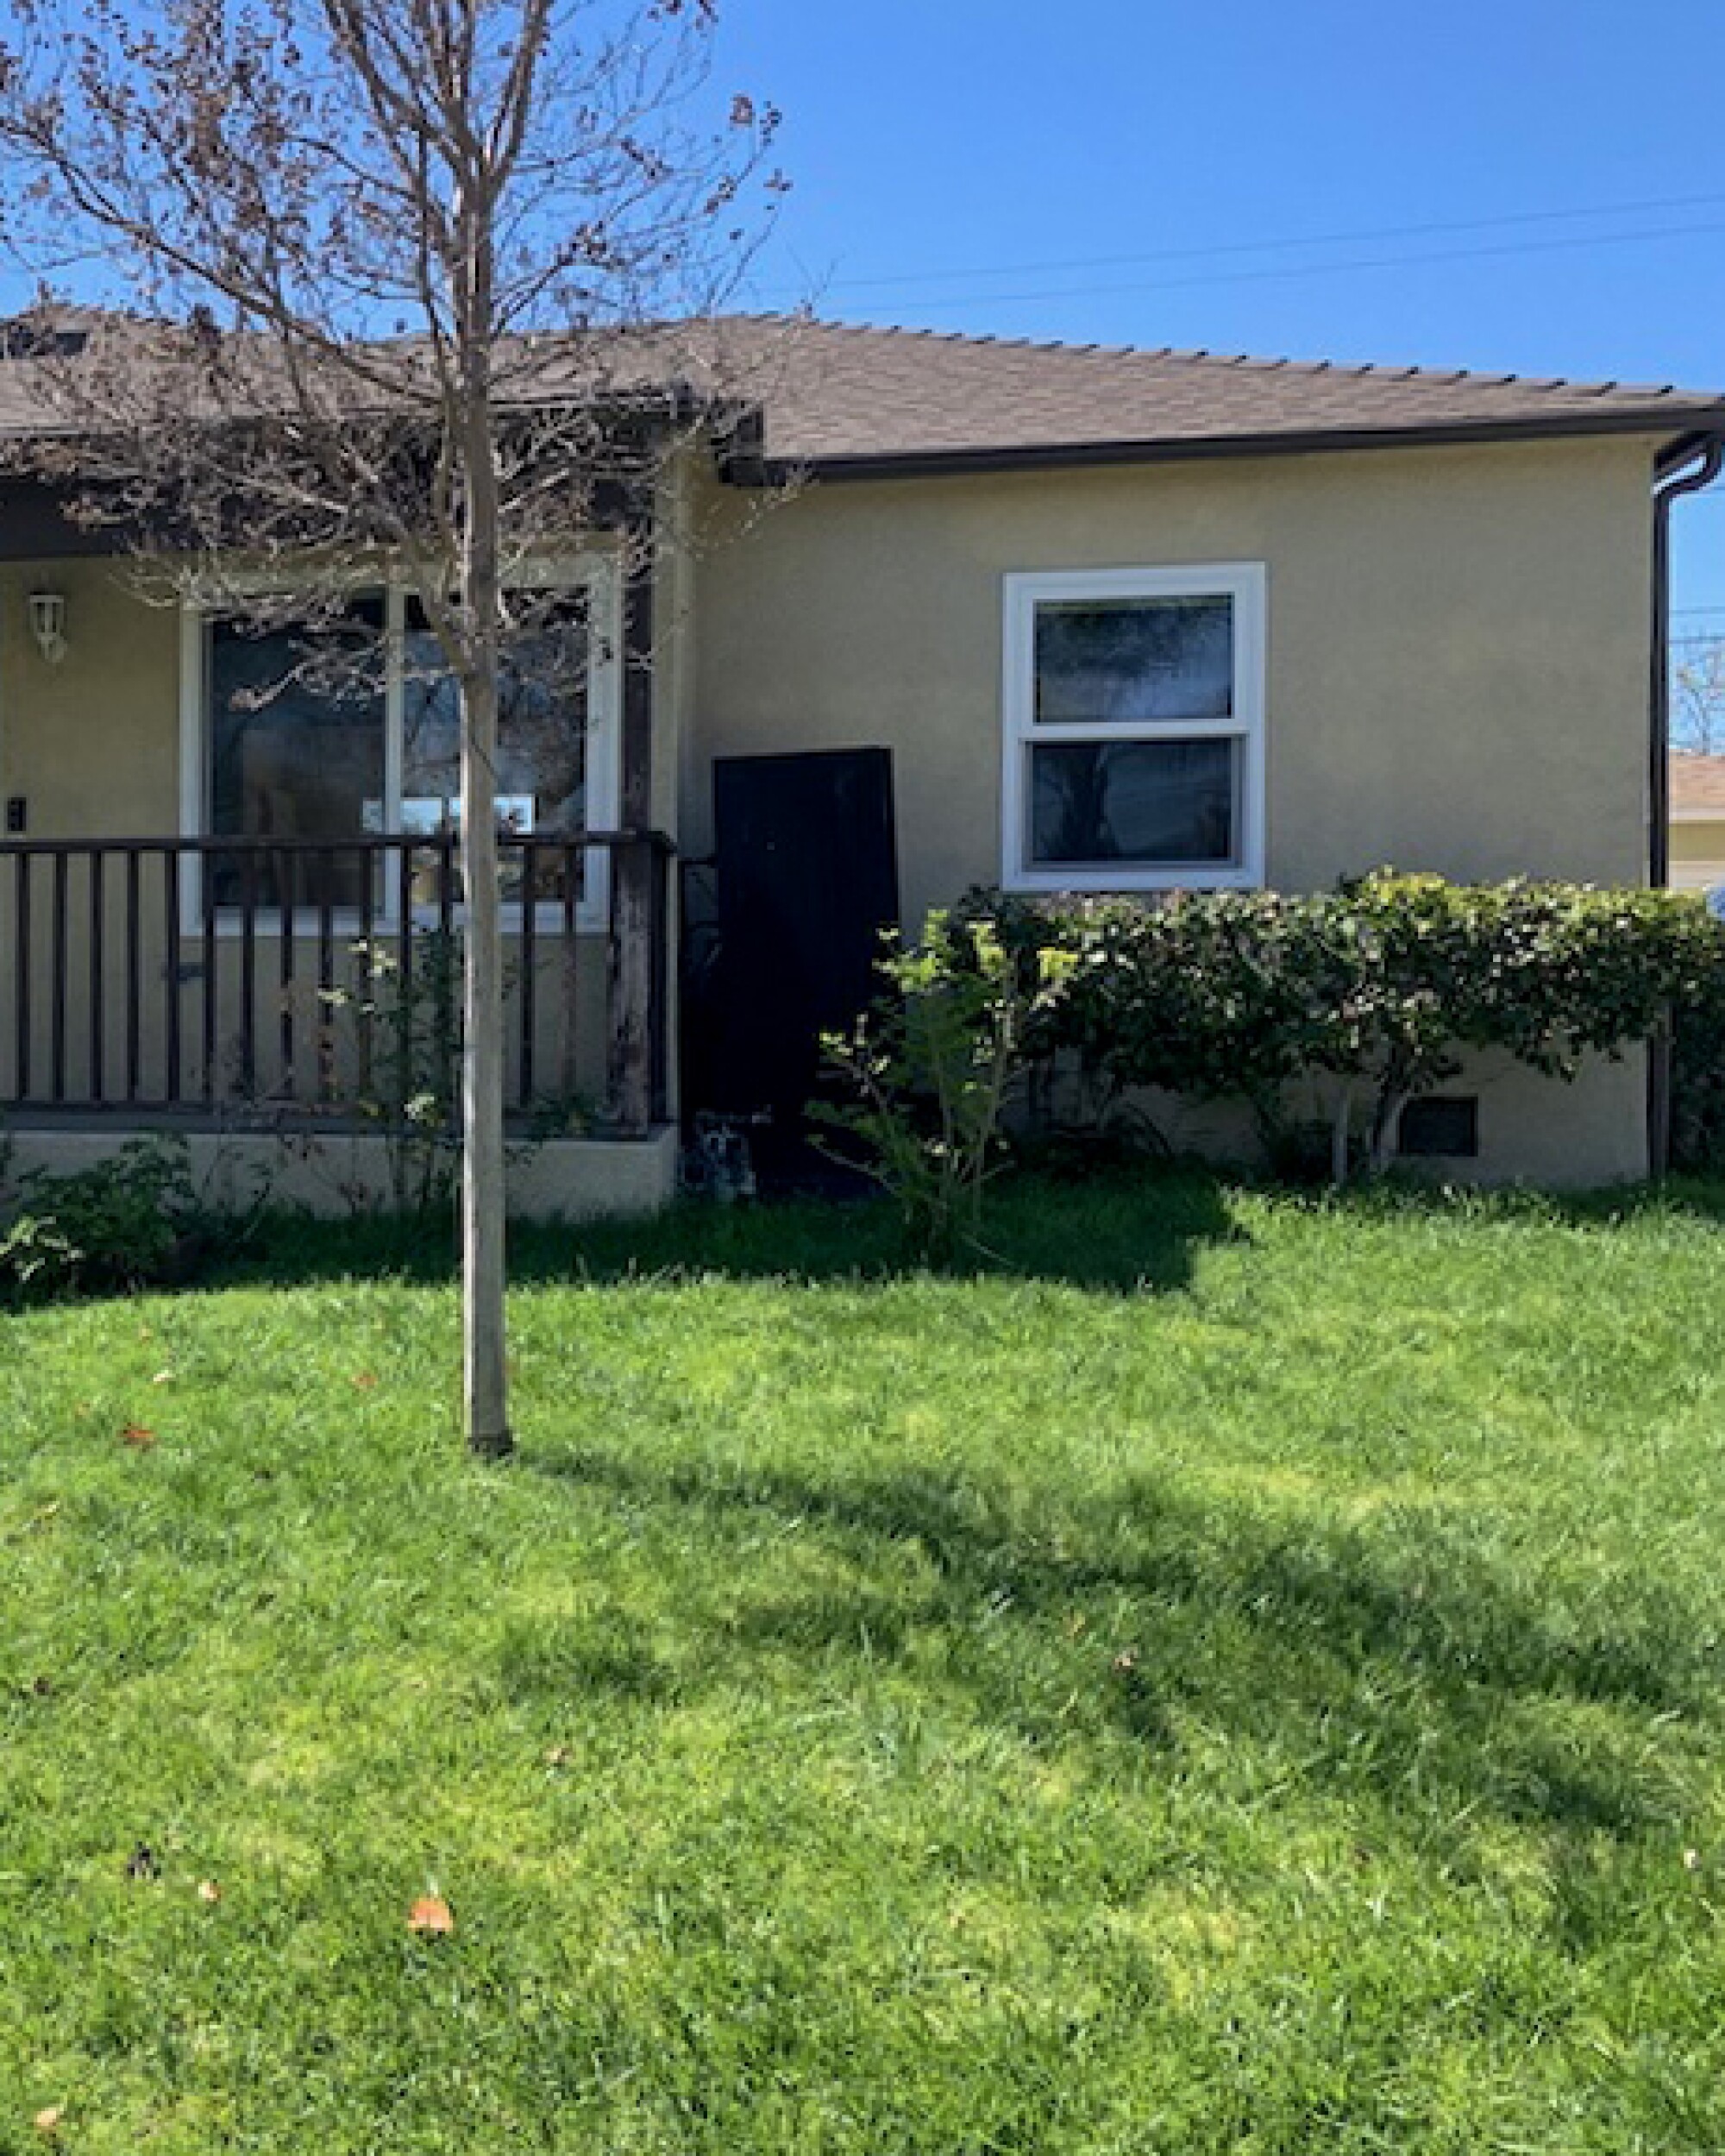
column 319, row 977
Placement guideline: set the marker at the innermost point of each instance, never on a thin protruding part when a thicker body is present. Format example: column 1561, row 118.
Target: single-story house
column 949, row 610
column 1698, row 822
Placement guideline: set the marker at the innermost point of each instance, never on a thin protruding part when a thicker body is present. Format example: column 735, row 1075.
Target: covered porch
column 238, row 918
column 298, row 1001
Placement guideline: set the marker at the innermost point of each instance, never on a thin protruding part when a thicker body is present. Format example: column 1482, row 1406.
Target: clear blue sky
column 1246, row 175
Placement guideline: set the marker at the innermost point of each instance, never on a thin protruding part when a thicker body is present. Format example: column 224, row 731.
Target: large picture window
column 1134, row 729
column 296, row 740
column 351, row 730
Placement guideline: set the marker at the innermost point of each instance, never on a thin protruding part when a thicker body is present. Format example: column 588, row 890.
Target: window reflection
column 1169, row 802
column 296, row 748
column 542, row 787
column 1134, row 661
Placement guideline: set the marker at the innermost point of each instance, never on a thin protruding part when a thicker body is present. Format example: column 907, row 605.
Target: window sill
column 1127, row 881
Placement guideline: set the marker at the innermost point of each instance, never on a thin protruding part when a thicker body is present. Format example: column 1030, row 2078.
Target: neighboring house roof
column 1697, row 788
column 837, row 399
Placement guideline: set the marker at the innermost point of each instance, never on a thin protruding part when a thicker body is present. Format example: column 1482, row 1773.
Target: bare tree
column 428, row 282
column 1698, row 696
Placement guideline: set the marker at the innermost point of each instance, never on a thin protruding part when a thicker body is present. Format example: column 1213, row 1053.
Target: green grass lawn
column 1242, row 1674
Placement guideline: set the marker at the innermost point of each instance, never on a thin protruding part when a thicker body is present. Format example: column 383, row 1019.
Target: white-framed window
column 1134, row 729
column 352, row 731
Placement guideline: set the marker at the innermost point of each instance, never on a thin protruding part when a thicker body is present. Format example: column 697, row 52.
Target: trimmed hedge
column 1380, row 986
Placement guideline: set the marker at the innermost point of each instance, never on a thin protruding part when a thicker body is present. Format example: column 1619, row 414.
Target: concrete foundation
column 337, row 1172
column 1540, row 1132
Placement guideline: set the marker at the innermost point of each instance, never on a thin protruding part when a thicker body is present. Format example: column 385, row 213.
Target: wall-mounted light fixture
column 48, row 624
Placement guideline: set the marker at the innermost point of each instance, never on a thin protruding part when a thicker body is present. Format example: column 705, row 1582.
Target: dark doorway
column 805, row 879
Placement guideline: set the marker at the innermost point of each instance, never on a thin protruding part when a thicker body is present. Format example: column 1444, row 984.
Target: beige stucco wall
column 92, row 744
column 1558, row 1136
column 1457, row 670
column 1577, row 1135
column 1457, row 646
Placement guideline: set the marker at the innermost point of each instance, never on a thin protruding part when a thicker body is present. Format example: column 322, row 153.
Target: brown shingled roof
column 1698, row 788
column 868, row 398
column 839, row 400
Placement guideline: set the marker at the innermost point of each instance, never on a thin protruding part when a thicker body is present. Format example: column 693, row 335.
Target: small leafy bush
column 133, row 1221
column 413, row 1020
column 933, row 1069
column 1698, row 1086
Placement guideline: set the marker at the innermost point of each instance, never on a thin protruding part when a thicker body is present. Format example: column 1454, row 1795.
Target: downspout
column 1685, row 467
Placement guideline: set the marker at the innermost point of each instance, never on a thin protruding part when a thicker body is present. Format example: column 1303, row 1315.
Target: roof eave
column 1679, row 420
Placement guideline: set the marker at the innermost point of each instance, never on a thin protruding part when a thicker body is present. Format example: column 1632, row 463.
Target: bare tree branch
column 421, row 289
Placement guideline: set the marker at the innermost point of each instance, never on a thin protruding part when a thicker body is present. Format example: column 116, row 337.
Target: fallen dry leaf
column 209, row 1891
column 365, row 1380
column 137, row 1437
column 430, row 1914
column 47, row 2120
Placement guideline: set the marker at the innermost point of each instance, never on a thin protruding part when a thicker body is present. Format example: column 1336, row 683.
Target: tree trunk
column 1341, row 1137
column 1386, row 1126
column 485, row 1382
column 484, row 1204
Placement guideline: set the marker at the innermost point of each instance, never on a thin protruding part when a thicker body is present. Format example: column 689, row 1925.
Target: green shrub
column 1697, row 1066
column 132, row 1221
column 1380, row 987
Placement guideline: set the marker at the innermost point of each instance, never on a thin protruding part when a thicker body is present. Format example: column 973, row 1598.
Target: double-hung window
column 1134, row 729
column 349, row 731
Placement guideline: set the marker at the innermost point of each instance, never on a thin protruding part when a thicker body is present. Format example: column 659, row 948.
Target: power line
column 1368, row 235
column 1322, row 269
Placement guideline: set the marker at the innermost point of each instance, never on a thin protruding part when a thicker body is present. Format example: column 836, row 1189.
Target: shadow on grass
column 1402, row 1665
column 1126, row 1232
column 1127, row 1235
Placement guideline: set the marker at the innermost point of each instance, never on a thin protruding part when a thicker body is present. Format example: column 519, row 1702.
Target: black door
column 805, row 880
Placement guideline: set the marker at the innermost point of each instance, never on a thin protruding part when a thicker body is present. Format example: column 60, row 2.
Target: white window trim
column 598, row 573
column 1246, row 583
